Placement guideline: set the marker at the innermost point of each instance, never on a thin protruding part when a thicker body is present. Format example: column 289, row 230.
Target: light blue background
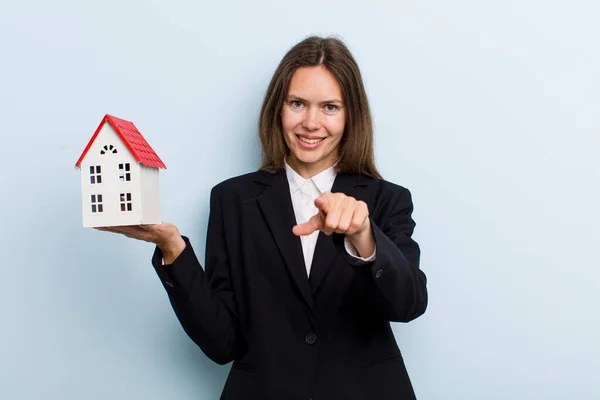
column 486, row 110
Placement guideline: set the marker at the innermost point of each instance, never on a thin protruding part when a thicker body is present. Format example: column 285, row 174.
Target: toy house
column 119, row 177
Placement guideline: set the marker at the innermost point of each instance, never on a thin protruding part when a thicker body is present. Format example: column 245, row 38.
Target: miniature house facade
column 119, row 177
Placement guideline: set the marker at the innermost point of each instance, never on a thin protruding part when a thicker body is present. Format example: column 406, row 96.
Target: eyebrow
column 293, row 96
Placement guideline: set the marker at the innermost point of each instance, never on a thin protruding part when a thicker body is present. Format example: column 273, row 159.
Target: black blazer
column 291, row 337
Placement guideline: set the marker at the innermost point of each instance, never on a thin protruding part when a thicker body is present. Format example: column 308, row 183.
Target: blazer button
column 310, row 338
column 378, row 273
column 169, row 283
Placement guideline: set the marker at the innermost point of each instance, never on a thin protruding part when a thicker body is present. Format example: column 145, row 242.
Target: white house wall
column 151, row 204
column 111, row 186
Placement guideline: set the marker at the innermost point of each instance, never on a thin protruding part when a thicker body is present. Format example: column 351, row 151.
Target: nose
column 311, row 120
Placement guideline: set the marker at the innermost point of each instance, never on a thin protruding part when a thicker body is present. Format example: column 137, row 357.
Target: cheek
column 288, row 120
column 336, row 127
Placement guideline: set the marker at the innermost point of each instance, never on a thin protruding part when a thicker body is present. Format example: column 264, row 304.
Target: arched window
column 108, row 149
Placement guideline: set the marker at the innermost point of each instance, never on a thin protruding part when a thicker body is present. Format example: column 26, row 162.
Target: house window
column 124, row 172
column 95, row 174
column 97, row 203
column 108, row 149
column 126, row 202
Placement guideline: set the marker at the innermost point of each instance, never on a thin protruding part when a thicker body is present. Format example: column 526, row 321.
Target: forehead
column 315, row 83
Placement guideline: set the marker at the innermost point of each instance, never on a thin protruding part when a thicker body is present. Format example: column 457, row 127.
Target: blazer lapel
column 325, row 252
column 276, row 206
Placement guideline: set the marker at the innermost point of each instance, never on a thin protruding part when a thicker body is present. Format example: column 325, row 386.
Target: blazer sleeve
column 203, row 301
column 396, row 288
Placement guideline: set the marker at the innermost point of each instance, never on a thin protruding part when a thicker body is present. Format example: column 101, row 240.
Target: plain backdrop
column 486, row 110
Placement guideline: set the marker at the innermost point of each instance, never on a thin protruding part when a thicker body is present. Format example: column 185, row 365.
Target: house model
column 119, row 177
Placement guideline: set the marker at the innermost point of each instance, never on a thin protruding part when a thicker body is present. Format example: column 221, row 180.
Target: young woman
column 309, row 258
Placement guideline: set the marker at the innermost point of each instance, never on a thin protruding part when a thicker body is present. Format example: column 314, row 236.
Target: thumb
column 313, row 224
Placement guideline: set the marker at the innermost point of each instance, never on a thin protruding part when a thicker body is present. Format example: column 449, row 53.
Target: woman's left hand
column 337, row 213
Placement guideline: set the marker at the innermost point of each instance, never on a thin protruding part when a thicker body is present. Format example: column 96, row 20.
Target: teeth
column 310, row 141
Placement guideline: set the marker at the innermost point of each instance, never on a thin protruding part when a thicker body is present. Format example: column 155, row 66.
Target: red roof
column 133, row 139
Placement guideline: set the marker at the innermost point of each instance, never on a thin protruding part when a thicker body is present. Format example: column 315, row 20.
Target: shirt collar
column 323, row 180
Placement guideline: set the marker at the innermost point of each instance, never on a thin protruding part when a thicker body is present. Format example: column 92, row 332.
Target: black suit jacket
column 291, row 337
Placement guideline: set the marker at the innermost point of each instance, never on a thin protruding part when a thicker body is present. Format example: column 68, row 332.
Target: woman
column 307, row 259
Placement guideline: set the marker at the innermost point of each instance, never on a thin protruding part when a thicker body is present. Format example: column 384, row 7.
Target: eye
column 295, row 104
column 331, row 108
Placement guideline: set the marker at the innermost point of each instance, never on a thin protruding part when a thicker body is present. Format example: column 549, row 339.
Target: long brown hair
column 356, row 146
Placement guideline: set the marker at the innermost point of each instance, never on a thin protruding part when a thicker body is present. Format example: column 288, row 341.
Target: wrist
column 172, row 248
column 363, row 241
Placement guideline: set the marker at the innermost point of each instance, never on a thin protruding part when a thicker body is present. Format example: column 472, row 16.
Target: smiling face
column 313, row 118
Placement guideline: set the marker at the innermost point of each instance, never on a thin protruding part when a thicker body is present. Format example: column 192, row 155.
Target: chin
column 307, row 158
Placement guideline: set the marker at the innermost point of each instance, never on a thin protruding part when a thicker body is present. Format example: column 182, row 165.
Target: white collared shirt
column 304, row 192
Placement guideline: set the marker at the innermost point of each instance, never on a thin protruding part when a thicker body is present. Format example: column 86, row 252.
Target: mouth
column 312, row 142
